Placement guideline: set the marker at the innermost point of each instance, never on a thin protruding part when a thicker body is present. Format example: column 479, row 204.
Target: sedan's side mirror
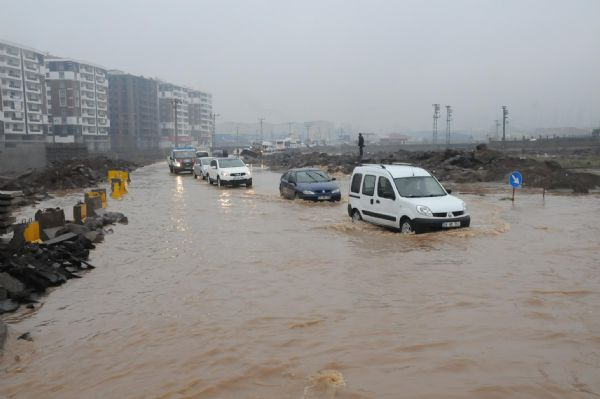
column 333, row 178
column 449, row 190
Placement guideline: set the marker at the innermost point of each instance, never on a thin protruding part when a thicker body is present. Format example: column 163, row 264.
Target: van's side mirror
column 449, row 190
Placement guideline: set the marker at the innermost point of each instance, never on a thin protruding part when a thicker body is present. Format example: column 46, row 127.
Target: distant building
column 133, row 104
column 173, row 100
column 23, row 95
column 200, row 116
column 394, row 139
column 79, row 102
column 193, row 108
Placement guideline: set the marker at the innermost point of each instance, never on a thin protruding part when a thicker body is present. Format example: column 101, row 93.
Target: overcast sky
column 376, row 64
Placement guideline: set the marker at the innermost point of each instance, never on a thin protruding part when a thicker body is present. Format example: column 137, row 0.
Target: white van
column 404, row 197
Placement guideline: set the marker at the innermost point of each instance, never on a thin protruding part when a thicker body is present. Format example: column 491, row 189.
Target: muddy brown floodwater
column 236, row 293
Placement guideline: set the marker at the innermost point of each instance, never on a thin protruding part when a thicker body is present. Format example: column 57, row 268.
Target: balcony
column 31, row 67
column 35, row 118
column 31, row 78
column 11, row 85
column 14, row 129
column 32, row 98
column 13, row 116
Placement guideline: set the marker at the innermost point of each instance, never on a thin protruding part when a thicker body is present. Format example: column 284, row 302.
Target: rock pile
column 479, row 165
column 27, row 270
column 8, row 200
column 76, row 173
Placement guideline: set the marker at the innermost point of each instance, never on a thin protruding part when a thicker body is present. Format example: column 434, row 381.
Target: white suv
column 404, row 197
column 229, row 171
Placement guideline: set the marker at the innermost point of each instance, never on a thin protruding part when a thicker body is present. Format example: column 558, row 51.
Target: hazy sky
column 376, row 64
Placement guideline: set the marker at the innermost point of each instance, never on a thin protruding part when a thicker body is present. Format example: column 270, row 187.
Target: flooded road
column 235, row 293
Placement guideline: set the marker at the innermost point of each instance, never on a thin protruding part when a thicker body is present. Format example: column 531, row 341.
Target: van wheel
column 210, row 181
column 356, row 216
column 406, row 226
column 219, row 182
column 195, row 175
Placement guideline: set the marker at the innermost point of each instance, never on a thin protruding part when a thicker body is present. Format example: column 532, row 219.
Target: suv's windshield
column 230, row 163
column 205, row 161
column 184, row 154
column 419, row 186
column 312, row 176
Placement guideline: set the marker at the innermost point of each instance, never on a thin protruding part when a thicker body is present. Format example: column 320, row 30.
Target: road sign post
column 515, row 180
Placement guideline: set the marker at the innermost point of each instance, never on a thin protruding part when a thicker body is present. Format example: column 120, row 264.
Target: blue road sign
column 515, row 179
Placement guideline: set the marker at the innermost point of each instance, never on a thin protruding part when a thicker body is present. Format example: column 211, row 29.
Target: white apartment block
column 194, row 112
column 24, row 99
column 79, row 100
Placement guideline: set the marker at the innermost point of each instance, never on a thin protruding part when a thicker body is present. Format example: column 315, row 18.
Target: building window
column 62, row 97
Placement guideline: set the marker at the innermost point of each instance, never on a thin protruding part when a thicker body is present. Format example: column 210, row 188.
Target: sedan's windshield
column 205, row 161
column 312, row 176
column 230, row 163
column 184, row 154
column 419, row 186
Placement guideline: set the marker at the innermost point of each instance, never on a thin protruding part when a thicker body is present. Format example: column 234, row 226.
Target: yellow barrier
column 102, row 193
column 116, row 190
column 80, row 213
column 32, row 232
column 123, row 178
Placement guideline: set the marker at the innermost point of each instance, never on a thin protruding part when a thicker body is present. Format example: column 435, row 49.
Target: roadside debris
column 76, row 173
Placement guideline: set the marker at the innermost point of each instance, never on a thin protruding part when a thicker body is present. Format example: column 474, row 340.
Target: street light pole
column 212, row 141
column 175, row 103
column 261, row 131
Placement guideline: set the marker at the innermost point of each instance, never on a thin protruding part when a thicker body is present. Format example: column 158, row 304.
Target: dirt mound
column 478, row 165
column 76, row 173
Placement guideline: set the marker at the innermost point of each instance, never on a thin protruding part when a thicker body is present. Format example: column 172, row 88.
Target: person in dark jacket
column 361, row 143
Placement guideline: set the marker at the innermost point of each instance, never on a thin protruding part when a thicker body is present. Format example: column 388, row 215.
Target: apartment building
column 173, row 105
column 79, row 102
column 200, row 116
column 133, row 104
column 23, row 95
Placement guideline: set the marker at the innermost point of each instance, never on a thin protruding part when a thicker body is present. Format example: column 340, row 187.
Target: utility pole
column 213, row 138
column 175, row 103
column 261, row 131
column 436, row 116
column 504, row 118
column 448, row 120
column 237, row 140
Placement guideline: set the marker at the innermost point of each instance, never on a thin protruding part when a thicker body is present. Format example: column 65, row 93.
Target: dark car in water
column 181, row 159
column 309, row 184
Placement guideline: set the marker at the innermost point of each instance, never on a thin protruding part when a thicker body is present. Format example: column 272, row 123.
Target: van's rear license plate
column 451, row 224
column 324, row 197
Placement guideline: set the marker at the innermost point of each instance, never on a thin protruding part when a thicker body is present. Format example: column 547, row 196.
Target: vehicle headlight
column 224, row 173
column 337, row 190
column 308, row 192
column 464, row 206
column 423, row 210
column 176, row 163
